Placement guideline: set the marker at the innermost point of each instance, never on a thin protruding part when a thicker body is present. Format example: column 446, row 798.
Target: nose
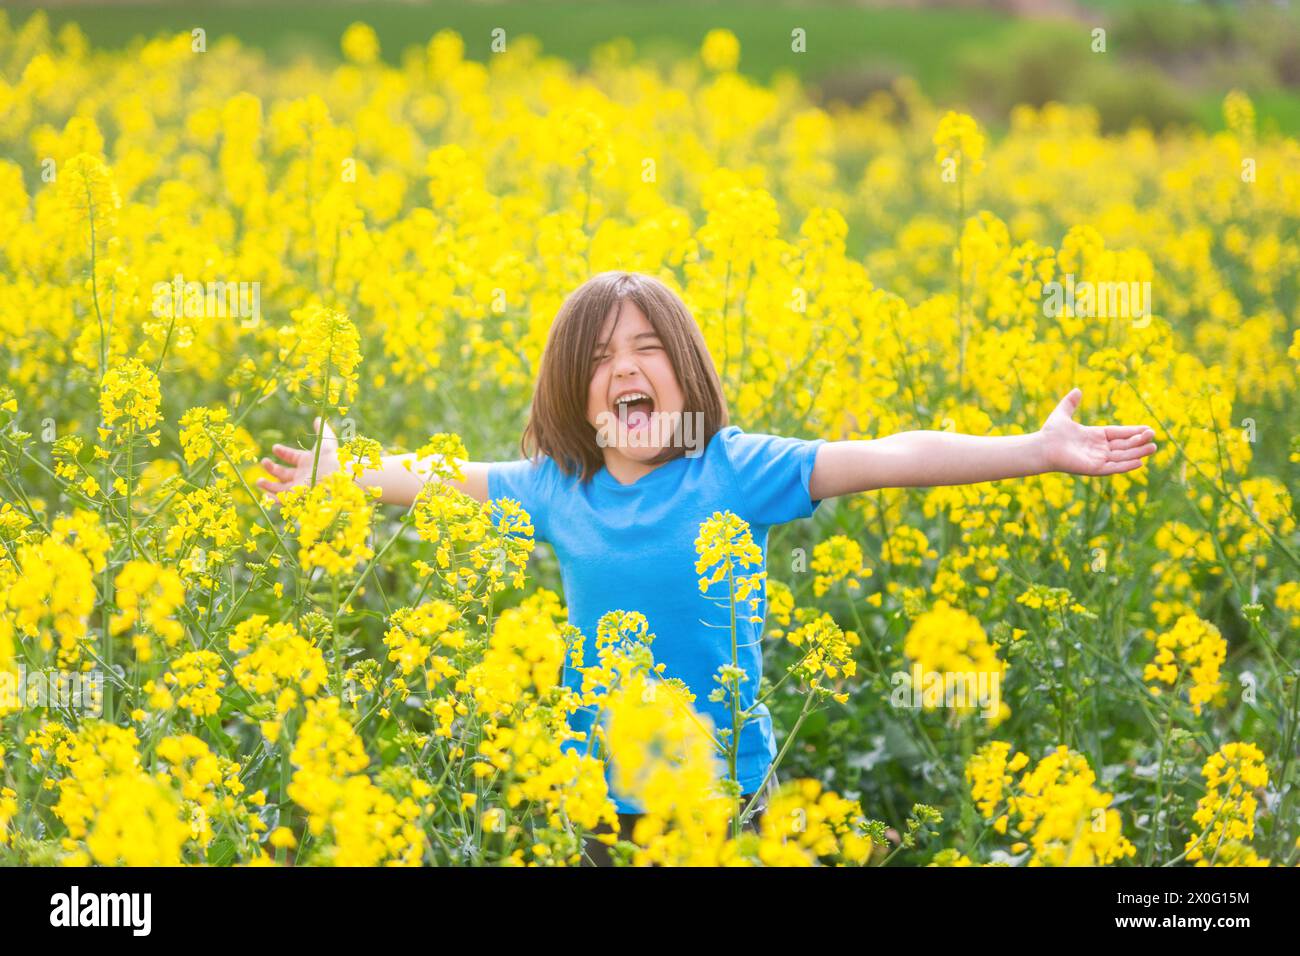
column 625, row 364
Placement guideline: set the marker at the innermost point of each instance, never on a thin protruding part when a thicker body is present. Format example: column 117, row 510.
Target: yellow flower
column 147, row 596
column 724, row 546
column 827, row 651
column 360, row 45
column 355, row 821
column 1239, row 115
column 326, row 351
column 332, row 521
column 205, row 432
column 805, row 824
column 989, row 774
column 88, row 192
column 1066, row 820
column 958, row 141
column 115, row 813
column 1226, row 813
column 51, row 596
column 906, row 546
column 720, row 50
column 130, row 391
column 949, row 642
column 415, row 633
column 836, row 559
column 198, row 677
column 1192, row 652
column 278, row 659
column 664, row 758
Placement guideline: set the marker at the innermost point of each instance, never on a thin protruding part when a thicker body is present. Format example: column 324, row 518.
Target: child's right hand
column 298, row 462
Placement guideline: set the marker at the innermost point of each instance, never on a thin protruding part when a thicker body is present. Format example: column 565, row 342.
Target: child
column 628, row 450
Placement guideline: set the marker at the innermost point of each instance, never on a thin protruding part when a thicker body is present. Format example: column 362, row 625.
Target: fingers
column 273, row 487
column 293, row 456
column 1115, row 432
column 1130, row 454
column 1067, row 405
column 278, row 470
column 1112, row 468
column 1141, row 437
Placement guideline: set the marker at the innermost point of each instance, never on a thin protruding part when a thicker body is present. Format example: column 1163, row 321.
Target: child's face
column 630, row 360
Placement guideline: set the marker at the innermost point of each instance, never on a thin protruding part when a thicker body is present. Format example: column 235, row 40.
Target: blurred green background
column 1166, row 61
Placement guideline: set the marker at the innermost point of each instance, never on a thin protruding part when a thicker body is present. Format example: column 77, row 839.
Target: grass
column 842, row 38
column 1280, row 108
column 922, row 43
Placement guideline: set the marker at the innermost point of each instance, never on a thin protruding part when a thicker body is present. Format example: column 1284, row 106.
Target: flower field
column 203, row 250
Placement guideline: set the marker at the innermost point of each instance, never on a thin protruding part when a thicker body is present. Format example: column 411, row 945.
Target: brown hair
column 557, row 424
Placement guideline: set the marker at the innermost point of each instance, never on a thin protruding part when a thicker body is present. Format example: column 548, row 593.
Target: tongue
column 638, row 414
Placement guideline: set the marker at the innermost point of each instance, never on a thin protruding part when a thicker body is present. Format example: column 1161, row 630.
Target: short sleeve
column 773, row 474
column 527, row 483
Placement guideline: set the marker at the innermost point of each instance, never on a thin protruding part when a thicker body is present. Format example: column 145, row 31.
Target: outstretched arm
column 399, row 478
column 927, row 458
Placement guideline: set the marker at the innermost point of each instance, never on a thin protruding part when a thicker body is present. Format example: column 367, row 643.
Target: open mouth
column 634, row 408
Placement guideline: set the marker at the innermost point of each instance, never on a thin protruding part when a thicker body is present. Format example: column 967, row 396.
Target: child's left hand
column 1092, row 449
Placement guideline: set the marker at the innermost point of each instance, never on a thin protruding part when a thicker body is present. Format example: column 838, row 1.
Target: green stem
column 733, row 743
column 785, row 748
column 1281, row 545
column 1154, row 833
column 320, row 411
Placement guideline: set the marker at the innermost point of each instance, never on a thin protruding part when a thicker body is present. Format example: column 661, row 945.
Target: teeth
column 632, row 397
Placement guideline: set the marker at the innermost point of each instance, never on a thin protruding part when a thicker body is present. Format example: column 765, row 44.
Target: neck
column 626, row 470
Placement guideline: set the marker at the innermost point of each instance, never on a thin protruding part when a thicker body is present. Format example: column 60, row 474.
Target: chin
column 642, row 453
column 655, row 455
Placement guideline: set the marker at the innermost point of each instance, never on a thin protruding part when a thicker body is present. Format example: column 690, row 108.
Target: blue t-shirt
column 632, row 548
